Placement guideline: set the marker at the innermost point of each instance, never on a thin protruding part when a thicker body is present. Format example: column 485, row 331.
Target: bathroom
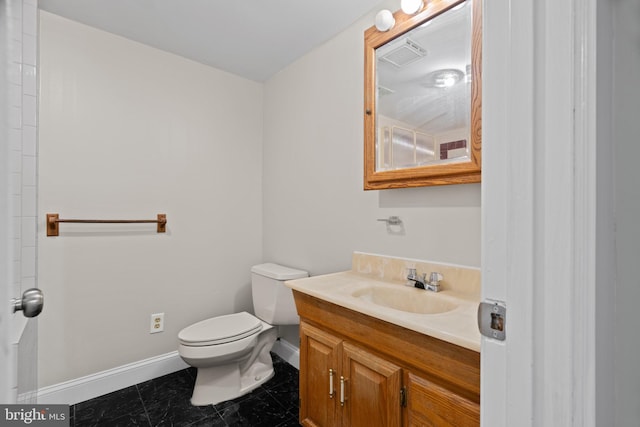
column 125, row 130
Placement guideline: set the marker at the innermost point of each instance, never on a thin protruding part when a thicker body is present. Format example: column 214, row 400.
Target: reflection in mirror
column 422, row 98
column 424, row 92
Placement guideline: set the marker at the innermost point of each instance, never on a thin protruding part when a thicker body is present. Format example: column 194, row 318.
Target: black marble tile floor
column 164, row 401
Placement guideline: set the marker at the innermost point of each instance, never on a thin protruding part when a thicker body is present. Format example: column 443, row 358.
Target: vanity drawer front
column 430, row 405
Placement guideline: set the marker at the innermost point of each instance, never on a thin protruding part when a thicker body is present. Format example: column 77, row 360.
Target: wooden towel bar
column 53, row 221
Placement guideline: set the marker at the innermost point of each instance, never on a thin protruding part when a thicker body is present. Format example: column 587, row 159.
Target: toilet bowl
column 222, row 348
column 232, row 352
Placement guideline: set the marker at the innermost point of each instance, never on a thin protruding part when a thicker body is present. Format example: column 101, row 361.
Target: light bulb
column 444, row 78
column 411, row 7
column 448, row 81
column 385, row 20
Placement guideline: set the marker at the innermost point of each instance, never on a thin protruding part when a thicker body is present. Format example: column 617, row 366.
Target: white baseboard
column 101, row 383
column 288, row 352
column 90, row 386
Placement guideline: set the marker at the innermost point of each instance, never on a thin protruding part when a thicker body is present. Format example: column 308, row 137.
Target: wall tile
column 15, row 52
column 29, row 82
column 15, row 161
column 30, row 19
column 28, row 232
column 22, row 26
column 16, row 183
column 29, row 49
column 16, row 286
column 15, row 139
column 29, row 110
column 16, row 253
column 15, row 95
column 29, row 201
column 29, row 172
column 28, row 262
column 14, row 11
column 14, row 72
column 16, row 204
column 29, row 141
column 15, row 24
column 15, row 117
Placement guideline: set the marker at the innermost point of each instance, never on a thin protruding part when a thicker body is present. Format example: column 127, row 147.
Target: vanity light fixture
column 385, row 20
column 411, row 7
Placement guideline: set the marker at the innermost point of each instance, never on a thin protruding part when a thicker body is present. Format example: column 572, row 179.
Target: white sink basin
column 449, row 315
column 406, row 299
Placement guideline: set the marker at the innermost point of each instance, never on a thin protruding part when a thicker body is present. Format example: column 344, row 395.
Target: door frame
column 533, row 211
column 18, row 195
column 5, row 212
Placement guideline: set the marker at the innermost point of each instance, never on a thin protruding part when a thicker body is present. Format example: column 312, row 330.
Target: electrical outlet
column 157, row 323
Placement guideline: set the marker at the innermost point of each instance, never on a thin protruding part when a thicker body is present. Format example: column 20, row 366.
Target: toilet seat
column 220, row 330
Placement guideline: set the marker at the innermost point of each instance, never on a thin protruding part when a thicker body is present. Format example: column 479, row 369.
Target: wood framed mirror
column 423, row 94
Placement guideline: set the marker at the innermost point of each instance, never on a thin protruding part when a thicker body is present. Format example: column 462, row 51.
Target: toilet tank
column 272, row 300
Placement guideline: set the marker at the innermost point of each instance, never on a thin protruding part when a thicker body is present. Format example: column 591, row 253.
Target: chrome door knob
column 30, row 304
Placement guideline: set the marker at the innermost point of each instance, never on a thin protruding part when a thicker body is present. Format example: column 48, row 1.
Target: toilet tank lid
column 278, row 272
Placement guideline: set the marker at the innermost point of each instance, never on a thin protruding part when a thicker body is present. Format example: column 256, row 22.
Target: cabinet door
column 371, row 389
column 431, row 405
column 319, row 359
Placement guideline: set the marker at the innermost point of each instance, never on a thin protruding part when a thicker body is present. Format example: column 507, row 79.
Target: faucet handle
column 435, row 277
column 411, row 272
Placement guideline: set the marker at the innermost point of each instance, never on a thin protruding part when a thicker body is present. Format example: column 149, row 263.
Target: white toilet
column 232, row 352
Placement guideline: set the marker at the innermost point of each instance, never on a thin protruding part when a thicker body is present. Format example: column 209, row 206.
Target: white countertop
column 457, row 326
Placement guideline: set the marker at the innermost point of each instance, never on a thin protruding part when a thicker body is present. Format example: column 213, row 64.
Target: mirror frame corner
column 430, row 175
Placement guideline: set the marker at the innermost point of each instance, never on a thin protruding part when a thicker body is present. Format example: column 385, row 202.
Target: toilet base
column 225, row 382
column 215, row 385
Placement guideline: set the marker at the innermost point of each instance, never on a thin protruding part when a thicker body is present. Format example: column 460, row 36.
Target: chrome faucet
column 421, row 282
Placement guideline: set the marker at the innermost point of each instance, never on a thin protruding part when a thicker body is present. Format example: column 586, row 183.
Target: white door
column 538, row 208
column 18, row 120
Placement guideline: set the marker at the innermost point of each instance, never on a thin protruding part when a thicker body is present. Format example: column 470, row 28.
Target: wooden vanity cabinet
column 343, row 385
column 390, row 376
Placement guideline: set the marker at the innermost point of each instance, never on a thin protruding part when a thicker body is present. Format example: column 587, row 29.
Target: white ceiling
column 251, row 38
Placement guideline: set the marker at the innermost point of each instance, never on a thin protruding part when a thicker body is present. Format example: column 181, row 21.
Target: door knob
column 30, row 304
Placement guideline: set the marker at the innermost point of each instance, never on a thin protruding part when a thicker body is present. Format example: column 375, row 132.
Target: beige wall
column 127, row 131
column 315, row 210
